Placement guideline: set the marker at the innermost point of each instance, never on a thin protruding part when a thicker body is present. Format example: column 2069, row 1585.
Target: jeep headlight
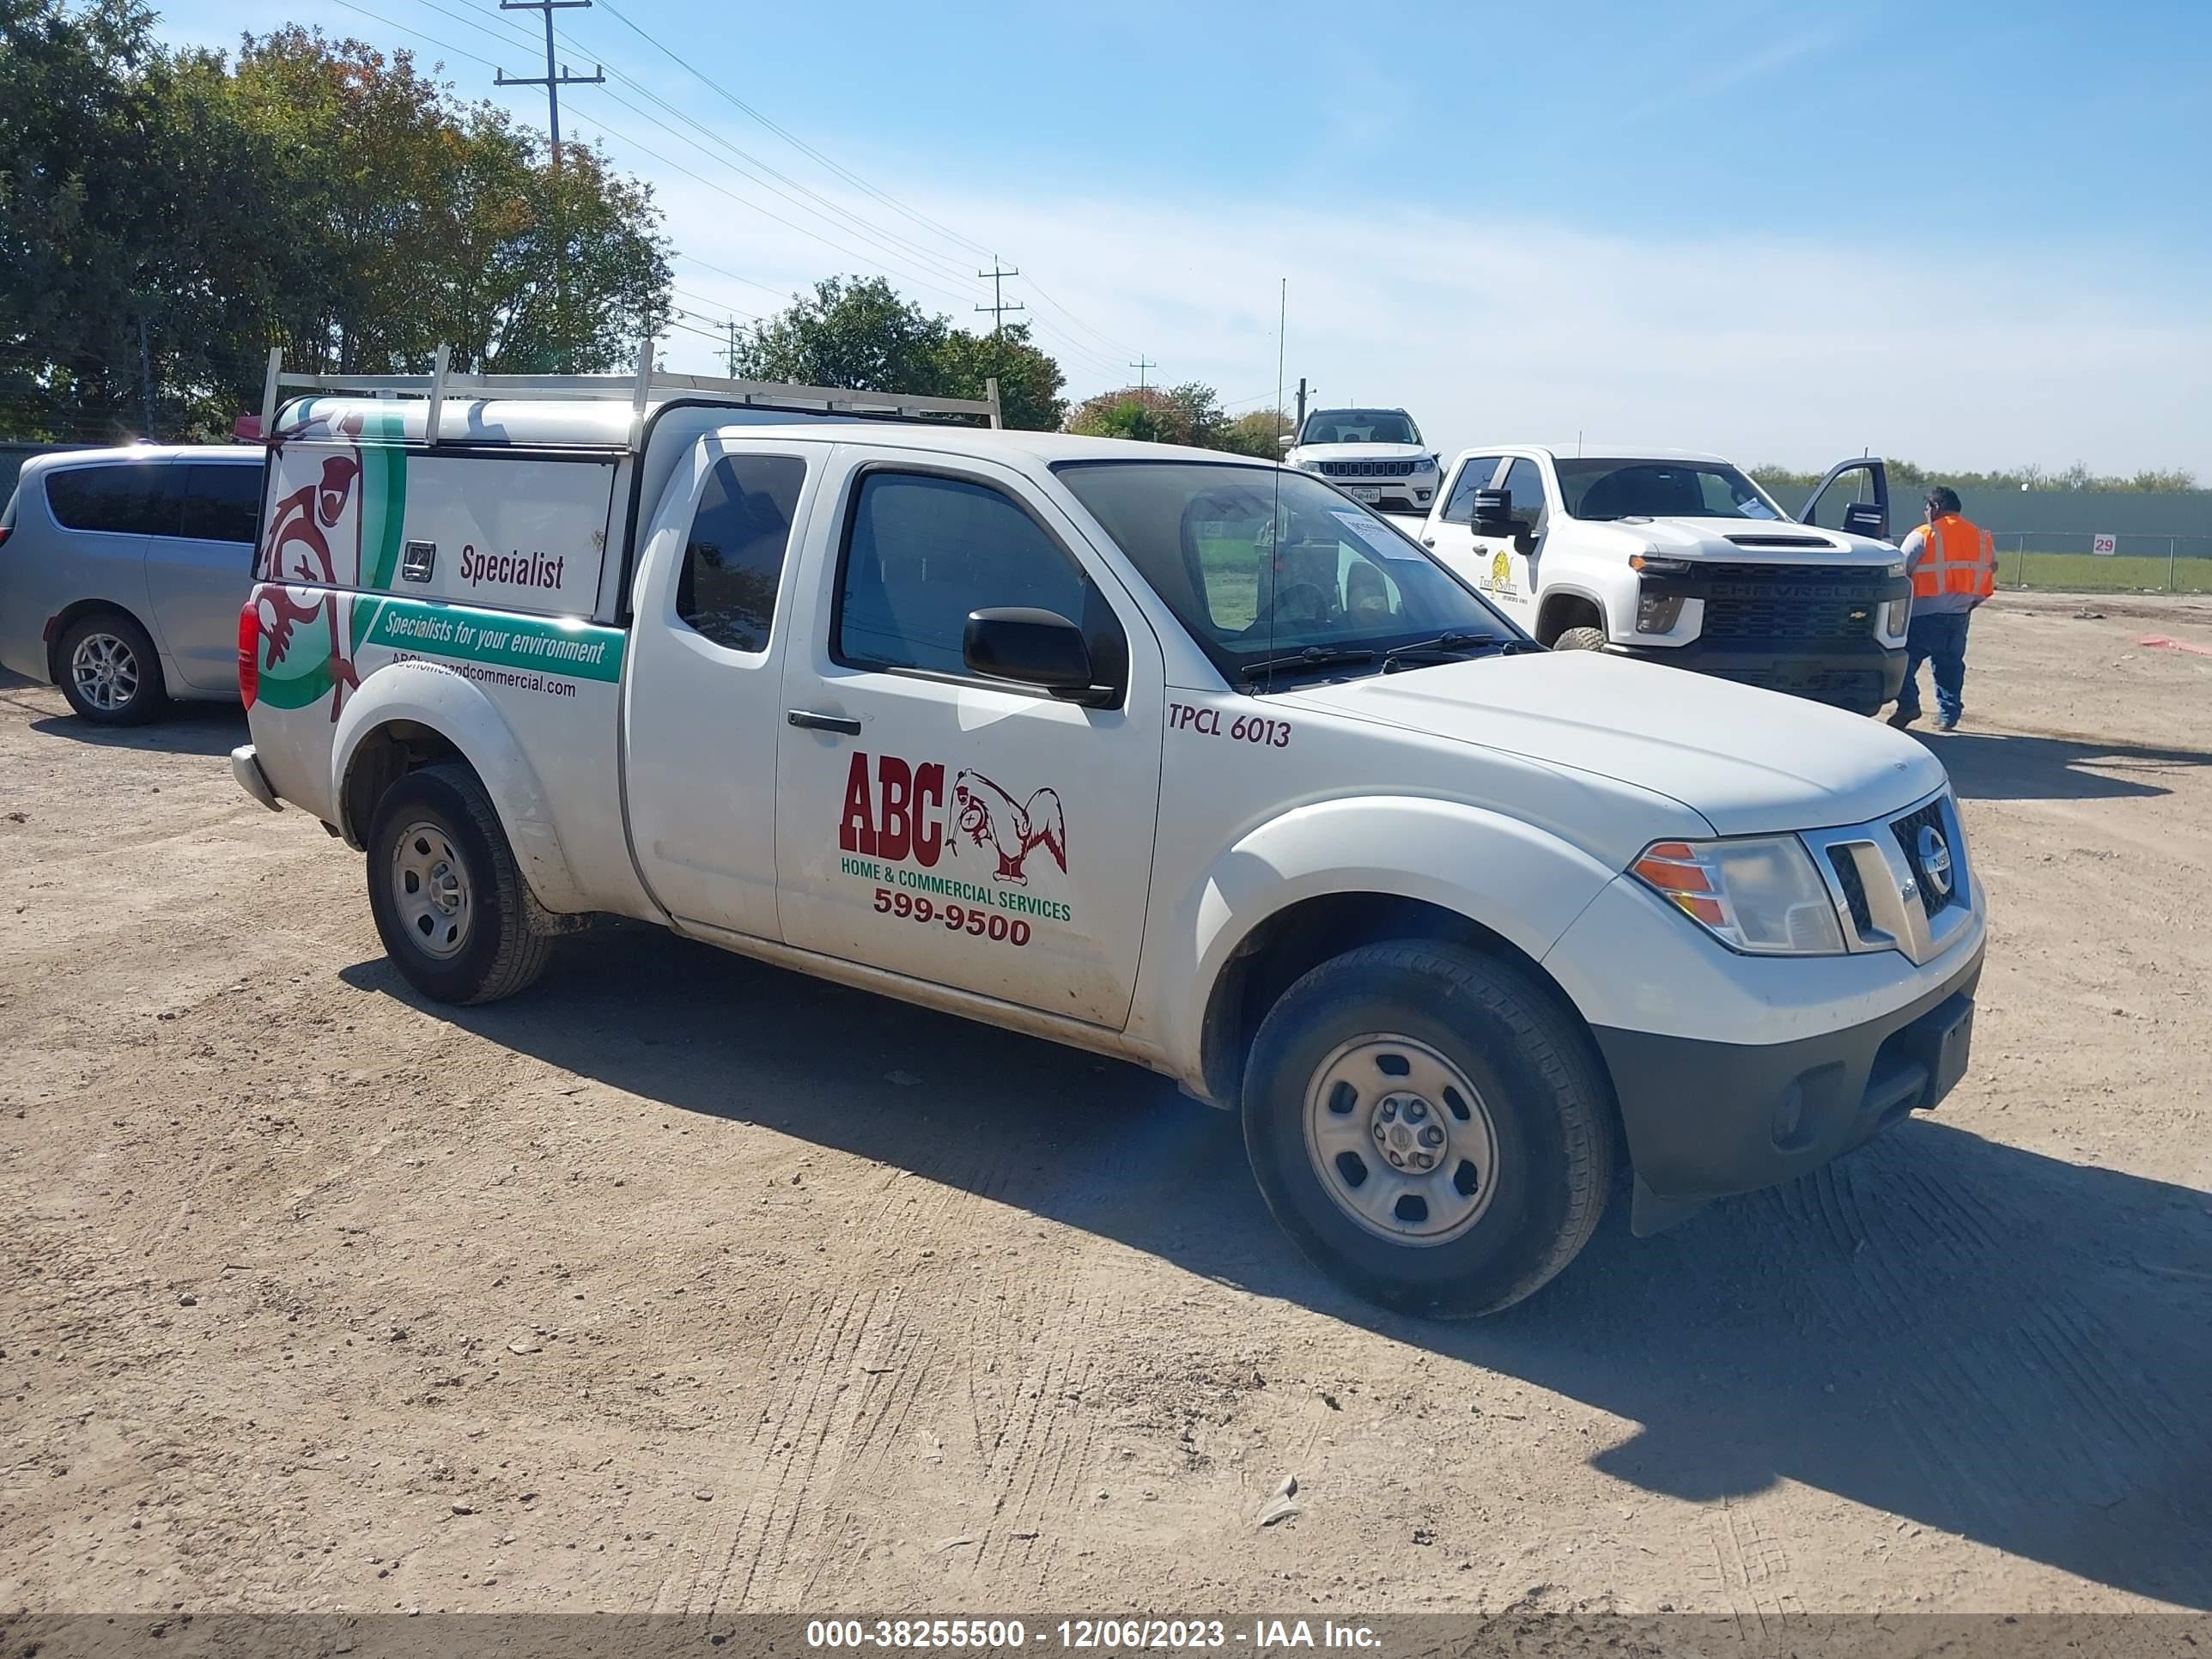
column 1756, row 894
column 1425, row 464
column 1307, row 466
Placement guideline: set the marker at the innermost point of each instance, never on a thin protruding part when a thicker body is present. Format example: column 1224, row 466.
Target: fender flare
column 457, row 710
column 1512, row 878
column 1571, row 591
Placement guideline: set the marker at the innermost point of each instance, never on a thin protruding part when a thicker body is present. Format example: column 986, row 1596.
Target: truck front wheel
column 449, row 899
column 1429, row 1127
column 1580, row 639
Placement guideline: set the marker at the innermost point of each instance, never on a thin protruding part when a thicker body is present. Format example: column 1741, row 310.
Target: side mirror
column 1289, row 441
column 1031, row 647
column 1866, row 518
column 1493, row 513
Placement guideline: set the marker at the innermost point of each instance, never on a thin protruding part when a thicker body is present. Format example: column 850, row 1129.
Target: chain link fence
column 2084, row 562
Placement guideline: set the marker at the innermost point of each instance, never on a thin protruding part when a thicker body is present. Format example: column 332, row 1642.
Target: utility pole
column 1301, row 425
column 552, row 81
column 145, row 375
column 733, row 348
column 1140, row 365
column 999, row 307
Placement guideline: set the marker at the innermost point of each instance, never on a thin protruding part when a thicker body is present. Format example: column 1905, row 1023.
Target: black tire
column 114, row 640
column 1580, row 639
column 497, row 949
column 1543, row 1100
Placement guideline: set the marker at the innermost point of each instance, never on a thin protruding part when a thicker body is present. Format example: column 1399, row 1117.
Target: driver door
column 1503, row 567
column 1853, row 498
column 1451, row 536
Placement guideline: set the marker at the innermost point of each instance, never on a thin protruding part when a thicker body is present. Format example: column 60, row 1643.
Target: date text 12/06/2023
column 1125, row 1634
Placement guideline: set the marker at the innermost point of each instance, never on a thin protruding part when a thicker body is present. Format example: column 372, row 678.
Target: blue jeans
column 1940, row 642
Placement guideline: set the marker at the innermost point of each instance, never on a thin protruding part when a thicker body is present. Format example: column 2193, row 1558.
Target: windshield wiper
column 1313, row 657
column 1449, row 647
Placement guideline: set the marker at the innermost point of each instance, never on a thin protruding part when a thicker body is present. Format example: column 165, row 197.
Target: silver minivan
column 122, row 572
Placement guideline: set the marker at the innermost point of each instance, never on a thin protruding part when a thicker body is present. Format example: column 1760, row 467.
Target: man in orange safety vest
column 1955, row 567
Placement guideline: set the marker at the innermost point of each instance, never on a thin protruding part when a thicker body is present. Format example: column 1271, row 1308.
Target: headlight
column 1657, row 614
column 1425, row 464
column 1759, row 894
column 1307, row 466
column 1895, row 570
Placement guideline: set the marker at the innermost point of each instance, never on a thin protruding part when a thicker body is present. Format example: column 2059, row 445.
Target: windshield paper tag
column 1379, row 537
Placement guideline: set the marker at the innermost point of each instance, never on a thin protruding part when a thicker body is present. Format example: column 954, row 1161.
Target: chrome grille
column 1907, row 830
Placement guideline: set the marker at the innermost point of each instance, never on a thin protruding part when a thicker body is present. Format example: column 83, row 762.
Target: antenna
column 1275, row 510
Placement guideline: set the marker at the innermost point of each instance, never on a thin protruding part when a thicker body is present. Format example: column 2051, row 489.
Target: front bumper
column 1810, row 631
column 1407, row 495
column 1860, row 677
column 1707, row 1120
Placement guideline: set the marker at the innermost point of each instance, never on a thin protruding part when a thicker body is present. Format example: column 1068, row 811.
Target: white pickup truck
column 1681, row 559
column 1166, row 756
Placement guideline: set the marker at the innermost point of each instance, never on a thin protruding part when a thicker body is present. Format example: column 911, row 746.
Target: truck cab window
column 1526, row 480
column 1475, row 475
column 733, row 561
column 922, row 551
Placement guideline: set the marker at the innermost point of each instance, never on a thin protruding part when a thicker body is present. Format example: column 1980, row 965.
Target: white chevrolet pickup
column 1681, row 559
column 1164, row 755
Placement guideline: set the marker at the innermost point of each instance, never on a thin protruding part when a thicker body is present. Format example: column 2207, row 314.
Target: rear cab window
column 733, row 558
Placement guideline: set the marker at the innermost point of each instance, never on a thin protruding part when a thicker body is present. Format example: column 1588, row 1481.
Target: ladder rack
column 636, row 390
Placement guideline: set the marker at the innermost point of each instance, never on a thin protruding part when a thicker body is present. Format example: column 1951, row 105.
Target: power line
column 858, row 229
column 869, row 230
column 402, row 28
column 778, row 218
column 795, row 141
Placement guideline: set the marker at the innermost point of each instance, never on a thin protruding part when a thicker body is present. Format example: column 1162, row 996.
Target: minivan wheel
column 109, row 671
column 1429, row 1127
column 448, row 897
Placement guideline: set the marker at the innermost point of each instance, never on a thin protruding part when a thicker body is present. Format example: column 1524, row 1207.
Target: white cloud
column 1756, row 346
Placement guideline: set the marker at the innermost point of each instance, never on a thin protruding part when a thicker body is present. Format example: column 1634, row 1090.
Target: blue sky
column 1974, row 233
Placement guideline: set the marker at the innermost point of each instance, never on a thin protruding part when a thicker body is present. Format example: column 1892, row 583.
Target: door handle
column 806, row 720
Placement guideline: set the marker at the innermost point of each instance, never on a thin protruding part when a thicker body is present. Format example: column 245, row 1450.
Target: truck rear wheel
column 449, row 899
column 1429, row 1127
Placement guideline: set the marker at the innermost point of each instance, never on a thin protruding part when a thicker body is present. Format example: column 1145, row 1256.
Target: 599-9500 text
column 954, row 919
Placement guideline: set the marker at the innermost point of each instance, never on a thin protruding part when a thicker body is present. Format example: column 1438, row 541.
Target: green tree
column 1188, row 413
column 166, row 217
column 1258, row 433
column 859, row 332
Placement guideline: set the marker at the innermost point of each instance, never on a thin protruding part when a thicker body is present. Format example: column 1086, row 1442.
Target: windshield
column 1258, row 562
column 1359, row 426
column 1660, row 490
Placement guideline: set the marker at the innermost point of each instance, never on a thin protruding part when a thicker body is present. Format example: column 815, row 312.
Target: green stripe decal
column 574, row 650
column 383, row 506
column 294, row 691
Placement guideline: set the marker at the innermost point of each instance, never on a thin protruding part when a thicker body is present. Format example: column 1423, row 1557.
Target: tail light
column 6, row 531
column 249, row 651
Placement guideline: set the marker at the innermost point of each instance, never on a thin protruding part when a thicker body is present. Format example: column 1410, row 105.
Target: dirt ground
column 684, row 1285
